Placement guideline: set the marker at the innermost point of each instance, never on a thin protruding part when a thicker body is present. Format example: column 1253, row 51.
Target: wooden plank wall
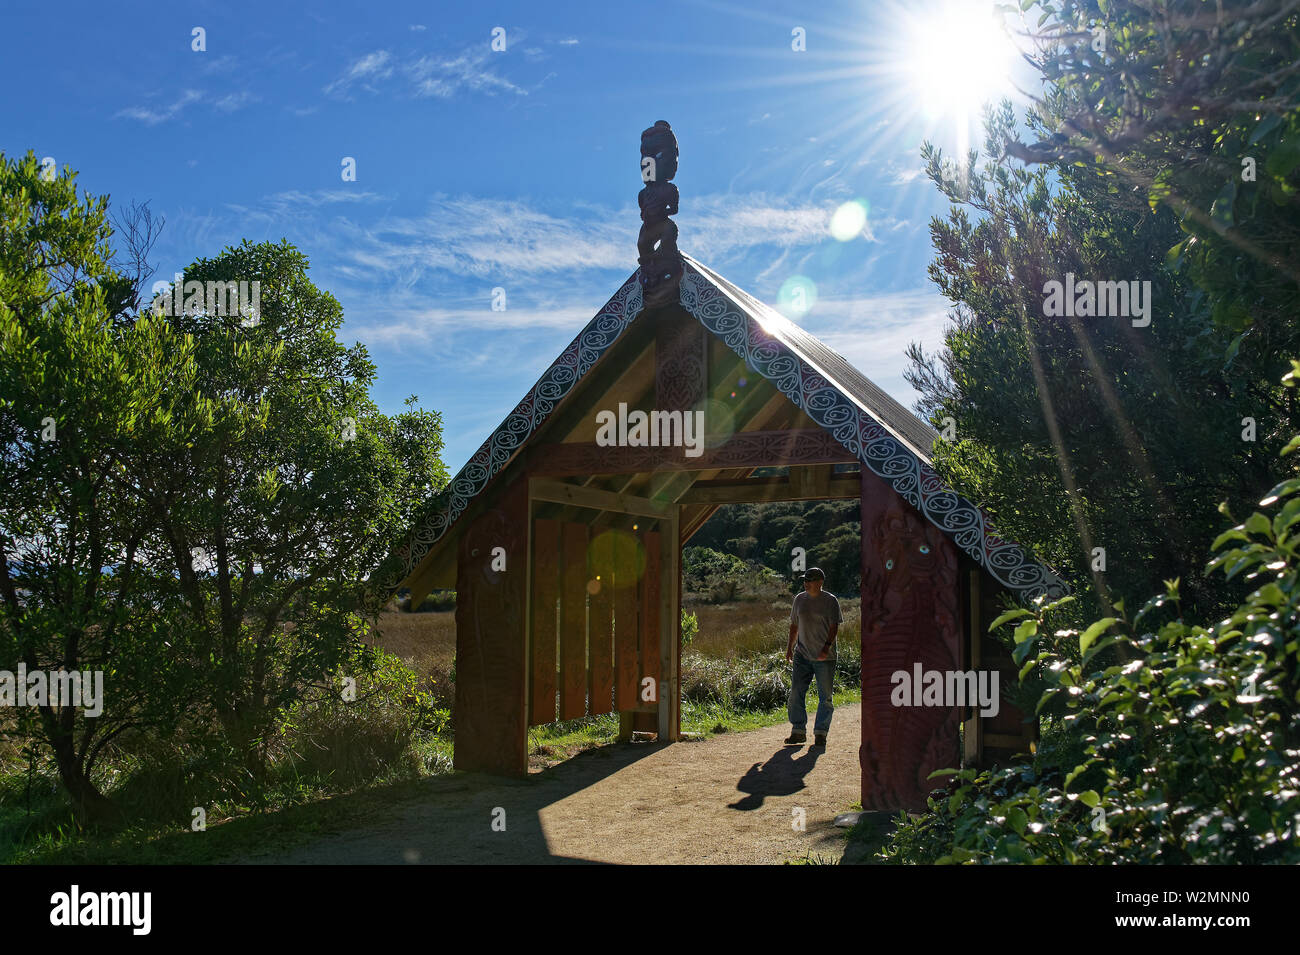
column 651, row 581
column 600, row 632
column 609, row 594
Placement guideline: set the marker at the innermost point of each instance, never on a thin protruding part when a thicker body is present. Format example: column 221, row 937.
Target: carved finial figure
column 661, row 263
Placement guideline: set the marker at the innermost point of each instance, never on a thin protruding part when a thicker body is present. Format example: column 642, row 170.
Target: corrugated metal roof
column 905, row 425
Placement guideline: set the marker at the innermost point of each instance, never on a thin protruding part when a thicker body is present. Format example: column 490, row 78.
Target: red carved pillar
column 491, row 641
column 911, row 613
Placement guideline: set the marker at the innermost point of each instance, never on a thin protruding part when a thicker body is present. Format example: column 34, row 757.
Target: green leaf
column 1221, row 209
column 1015, row 614
column 1096, row 630
column 1089, row 798
column 1257, row 523
column 1264, row 127
column 1284, row 158
column 1232, row 534
column 1018, row 820
column 1027, row 629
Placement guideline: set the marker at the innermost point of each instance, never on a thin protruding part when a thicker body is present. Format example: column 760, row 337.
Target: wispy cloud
column 371, row 67
column 153, row 116
column 296, row 206
column 234, row 101
column 873, row 331
column 474, row 236
column 445, row 76
column 442, row 76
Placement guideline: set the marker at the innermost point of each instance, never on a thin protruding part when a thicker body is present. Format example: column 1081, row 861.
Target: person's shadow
column 779, row 776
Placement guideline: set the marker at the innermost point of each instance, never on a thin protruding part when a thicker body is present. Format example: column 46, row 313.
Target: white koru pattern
column 556, row 382
column 859, row 432
column 862, row 435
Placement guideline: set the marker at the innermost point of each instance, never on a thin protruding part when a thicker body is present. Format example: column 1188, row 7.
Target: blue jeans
column 804, row 670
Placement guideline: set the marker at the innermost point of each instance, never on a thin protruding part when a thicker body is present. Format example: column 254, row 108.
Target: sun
column 953, row 60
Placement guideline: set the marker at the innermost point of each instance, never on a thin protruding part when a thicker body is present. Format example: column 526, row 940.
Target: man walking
column 815, row 619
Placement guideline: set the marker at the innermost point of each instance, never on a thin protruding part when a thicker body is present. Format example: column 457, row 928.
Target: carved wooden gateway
column 563, row 534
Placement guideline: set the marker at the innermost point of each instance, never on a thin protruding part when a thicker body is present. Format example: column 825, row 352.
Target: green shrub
column 1190, row 734
column 690, row 627
column 354, row 741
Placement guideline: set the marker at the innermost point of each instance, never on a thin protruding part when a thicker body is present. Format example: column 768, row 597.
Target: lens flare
column 849, row 221
column 797, row 296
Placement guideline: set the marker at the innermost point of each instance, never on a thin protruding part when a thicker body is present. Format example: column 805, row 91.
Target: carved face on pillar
column 910, row 616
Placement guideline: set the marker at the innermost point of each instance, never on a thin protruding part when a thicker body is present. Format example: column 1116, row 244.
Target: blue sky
column 516, row 169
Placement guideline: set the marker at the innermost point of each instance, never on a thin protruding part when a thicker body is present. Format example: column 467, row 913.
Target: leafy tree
column 1197, row 108
column 1190, row 752
column 829, row 532
column 78, row 389
column 725, row 577
column 1081, row 433
column 296, row 487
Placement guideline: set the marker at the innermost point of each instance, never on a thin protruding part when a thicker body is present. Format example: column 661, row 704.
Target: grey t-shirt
column 814, row 615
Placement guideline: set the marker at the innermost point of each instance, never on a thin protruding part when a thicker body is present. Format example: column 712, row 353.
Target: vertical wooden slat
column 546, row 591
column 973, row 728
column 573, row 621
column 670, row 625
column 600, row 674
column 626, row 623
column 651, row 583
column 1007, row 734
column 677, row 670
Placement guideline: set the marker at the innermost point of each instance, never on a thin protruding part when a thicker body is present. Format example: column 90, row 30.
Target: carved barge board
column 911, row 613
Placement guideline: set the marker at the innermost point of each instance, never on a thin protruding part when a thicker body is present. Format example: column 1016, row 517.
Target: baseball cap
column 813, row 573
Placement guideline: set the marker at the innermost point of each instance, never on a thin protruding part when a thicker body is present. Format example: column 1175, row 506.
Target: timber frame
column 565, row 551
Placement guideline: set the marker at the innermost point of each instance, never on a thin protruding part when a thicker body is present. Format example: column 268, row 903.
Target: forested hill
column 829, row 531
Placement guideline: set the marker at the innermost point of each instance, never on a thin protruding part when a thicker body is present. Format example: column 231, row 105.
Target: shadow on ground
column 782, row 775
column 458, row 819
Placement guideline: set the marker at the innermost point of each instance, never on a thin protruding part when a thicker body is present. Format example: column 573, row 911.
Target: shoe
column 795, row 738
column 819, row 739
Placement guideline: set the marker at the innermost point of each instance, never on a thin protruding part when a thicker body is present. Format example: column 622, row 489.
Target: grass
column 732, row 677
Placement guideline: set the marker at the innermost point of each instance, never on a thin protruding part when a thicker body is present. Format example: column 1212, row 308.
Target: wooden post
column 911, row 616
column 492, row 638
column 973, row 728
column 670, row 630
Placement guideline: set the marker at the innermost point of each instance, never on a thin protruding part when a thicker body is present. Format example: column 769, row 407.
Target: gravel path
column 731, row 798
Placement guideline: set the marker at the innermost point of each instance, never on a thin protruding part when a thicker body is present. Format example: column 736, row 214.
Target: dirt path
column 730, row 798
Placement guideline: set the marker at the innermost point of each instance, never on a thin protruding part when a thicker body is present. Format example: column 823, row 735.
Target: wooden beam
column 759, row 490
column 753, row 449
column 557, row 492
